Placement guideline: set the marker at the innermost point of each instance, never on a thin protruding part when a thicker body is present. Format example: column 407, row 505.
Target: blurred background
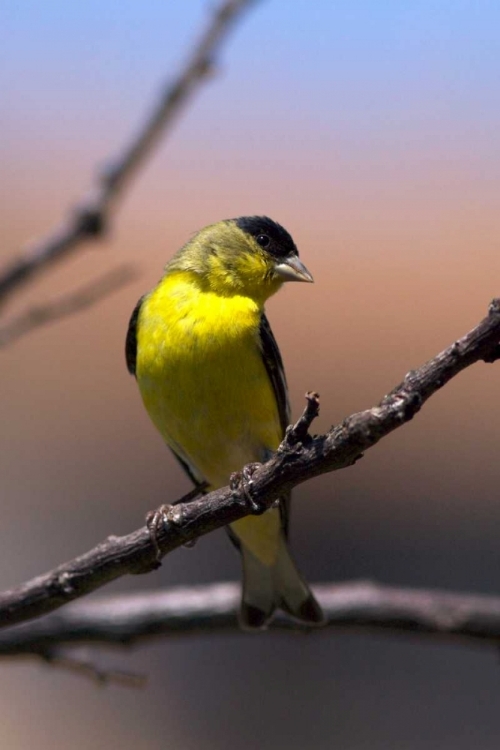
column 370, row 131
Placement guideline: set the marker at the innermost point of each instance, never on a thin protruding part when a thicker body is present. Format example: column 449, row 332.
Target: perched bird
column 212, row 380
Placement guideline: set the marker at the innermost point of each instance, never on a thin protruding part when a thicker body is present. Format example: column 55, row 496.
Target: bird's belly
column 204, row 383
column 212, row 401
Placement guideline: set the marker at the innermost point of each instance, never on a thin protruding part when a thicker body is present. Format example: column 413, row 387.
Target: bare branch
column 364, row 606
column 71, row 303
column 91, row 218
column 340, row 447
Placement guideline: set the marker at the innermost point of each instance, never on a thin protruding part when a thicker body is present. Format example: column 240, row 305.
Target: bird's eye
column 263, row 240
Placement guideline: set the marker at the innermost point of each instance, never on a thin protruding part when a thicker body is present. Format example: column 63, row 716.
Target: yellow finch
column 211, row 378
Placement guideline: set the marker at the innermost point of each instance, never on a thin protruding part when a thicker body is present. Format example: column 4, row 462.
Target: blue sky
column 361, row 57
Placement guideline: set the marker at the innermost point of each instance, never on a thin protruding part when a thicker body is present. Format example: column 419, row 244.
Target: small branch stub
column 299, row 432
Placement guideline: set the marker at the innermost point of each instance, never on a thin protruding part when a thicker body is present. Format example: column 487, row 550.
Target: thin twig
column 340, row 447
column 299, row 432
column 88, row 666
column 71, row 303
column 91, row 218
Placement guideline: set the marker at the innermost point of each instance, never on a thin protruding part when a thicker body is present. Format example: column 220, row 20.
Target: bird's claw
column 242, row 482
column 156, row 519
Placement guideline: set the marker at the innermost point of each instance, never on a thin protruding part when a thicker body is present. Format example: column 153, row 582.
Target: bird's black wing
column 274, row 365
column 131, row 339
column 131, row 358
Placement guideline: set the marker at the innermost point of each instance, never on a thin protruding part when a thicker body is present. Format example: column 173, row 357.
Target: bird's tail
column 269, row 587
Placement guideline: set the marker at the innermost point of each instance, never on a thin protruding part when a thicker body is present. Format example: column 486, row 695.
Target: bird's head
column 252, row 255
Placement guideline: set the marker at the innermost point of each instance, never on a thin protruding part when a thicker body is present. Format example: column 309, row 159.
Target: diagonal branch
column 298, row 459
column 91, row 218
column 364, row 606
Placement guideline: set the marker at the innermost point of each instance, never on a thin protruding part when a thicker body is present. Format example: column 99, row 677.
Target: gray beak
column 292, row 269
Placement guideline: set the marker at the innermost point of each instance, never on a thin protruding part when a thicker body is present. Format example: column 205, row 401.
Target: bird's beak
column 292, row 269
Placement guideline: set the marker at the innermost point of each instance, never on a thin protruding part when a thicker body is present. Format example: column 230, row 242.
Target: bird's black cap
column 271, row 236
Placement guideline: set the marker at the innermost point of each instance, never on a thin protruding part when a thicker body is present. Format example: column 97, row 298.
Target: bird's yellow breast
column 202, row 377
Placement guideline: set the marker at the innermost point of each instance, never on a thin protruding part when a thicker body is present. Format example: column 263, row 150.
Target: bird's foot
column 157, row 519
column 242, row 482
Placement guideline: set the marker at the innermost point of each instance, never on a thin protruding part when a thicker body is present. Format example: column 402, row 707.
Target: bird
column 212, row 380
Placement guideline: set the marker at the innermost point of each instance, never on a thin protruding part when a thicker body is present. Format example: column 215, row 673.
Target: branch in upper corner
column 364, row 606
column 68, row 305
column 90, row 220
column 340, row 447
